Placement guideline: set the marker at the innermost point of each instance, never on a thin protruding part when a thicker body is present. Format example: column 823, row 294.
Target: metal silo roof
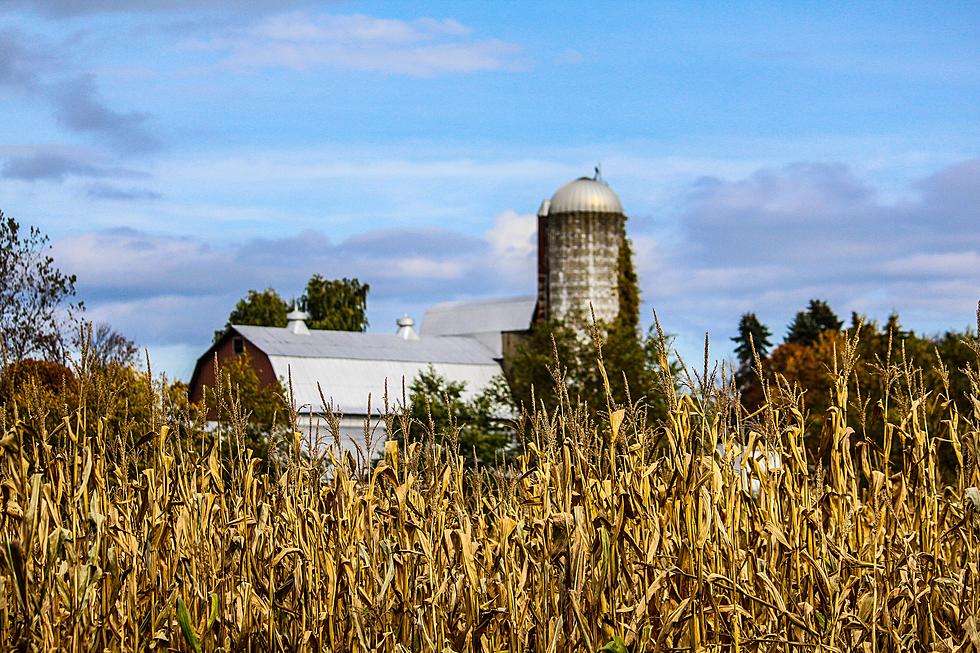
column 585, row 195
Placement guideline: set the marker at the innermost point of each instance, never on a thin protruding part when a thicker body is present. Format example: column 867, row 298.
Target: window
column 239, row 345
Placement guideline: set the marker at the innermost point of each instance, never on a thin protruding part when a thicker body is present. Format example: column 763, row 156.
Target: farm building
column 580, row 230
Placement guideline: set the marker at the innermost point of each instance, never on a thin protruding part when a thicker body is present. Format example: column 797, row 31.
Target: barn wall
column 204, row 374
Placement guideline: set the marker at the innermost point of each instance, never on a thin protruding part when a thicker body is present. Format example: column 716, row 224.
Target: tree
column 809, row 324
column 39, row 390
column 629, row 360
column 628, row 287
column 260, row 308
column 335, row 304
column 531, row 370
column 478, row 427
column 878, row 384
column 106, row 347
column 34, row 294
column 751, row 333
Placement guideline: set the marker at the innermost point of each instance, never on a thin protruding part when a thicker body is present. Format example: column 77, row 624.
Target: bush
column 38, row 391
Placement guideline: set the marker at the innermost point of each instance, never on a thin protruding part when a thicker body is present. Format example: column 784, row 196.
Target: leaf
column 184, row 619
column 615, row 421
column 213, row 616
column 15, row 560
column 615, row 645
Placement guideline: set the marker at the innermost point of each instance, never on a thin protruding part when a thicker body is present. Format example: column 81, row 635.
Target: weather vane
column 598, row 172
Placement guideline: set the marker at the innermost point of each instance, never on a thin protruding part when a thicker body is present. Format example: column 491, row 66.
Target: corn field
column 608, row 532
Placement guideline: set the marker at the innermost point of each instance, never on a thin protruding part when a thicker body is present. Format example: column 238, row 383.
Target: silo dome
column 585, row 195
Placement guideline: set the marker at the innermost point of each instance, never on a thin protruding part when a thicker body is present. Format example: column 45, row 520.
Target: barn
column 580, row 229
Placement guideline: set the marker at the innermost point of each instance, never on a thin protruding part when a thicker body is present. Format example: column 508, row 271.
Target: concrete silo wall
column 578, row 264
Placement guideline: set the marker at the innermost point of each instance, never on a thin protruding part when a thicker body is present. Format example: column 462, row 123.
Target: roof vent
column 296, row 322
column 406, row 330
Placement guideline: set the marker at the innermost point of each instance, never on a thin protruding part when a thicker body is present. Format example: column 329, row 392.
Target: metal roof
column 275, row 341
column 347, row 382
column 479, row 316
column 349, row 366
column 584, row 195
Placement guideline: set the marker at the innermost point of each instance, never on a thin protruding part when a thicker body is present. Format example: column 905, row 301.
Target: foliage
column 809, row 324
column 478, row 429
column 554, row 359
column 532, row 372
column 752, row 333
column 259, row 308
column 53, row 378
column 37, row 390
column 628, row 289
column 603, row 533
column 34, row 294
column 336, row 304
column 880, row 348
column 242, row 404
column 107, row 347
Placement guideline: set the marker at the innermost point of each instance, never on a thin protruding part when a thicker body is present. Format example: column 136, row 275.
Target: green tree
column 336, row 304
column 809, row 324
column 260, row 308
column 629, row 360
column 751, row 333
column 628, row 288
column 478, row 427
column 34, row 307
column 530, row 373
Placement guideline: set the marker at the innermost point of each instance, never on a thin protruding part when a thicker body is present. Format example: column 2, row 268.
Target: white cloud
column 764, row 241
column 166, row 290
column 513, row 244
column 772, row 240
column 420, row 48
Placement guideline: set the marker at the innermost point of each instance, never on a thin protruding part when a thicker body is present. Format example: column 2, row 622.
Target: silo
column 580, row 231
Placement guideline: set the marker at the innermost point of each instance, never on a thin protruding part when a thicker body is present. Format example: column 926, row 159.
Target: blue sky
column 180, row 153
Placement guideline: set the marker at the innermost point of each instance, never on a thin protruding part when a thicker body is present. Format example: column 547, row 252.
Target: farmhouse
column 580, row 231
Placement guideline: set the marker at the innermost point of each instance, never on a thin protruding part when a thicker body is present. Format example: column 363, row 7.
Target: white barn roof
column 483, row 320
column 349, row 366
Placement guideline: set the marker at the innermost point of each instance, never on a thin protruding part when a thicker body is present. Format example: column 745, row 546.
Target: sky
column 181, row 153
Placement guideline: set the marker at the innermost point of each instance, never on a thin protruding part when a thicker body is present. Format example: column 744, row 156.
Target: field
column 608, row 532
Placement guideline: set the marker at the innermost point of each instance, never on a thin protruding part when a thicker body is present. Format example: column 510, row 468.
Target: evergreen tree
column 336, row 304
column 750, row 327
column 823, row 316
column 809, row 324
column 628, row 287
